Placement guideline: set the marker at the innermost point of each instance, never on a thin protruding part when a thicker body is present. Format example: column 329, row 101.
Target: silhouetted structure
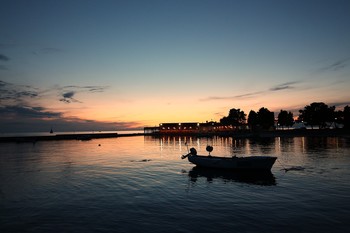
column 151, row 130
column 263, row 121
column 193, row 128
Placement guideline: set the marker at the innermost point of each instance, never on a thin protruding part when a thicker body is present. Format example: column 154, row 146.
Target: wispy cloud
column 14, row 93
column 279, row 87
column 20, row 112
column 67, row 97
column 339, row 104
column 337, row 65
column 10, row 93
column 68, row 93
column 284, row 86
column 20, row 118
column 87, row 88
column 4, row 58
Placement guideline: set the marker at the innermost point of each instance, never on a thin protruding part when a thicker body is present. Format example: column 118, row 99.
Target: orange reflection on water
column 139, row 151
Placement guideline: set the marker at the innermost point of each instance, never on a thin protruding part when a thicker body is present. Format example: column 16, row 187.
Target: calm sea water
column 140, row 184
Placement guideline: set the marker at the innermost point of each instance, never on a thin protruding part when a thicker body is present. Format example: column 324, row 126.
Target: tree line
column 316, row 114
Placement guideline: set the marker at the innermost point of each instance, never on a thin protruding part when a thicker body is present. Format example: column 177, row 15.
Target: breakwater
column 83, row 137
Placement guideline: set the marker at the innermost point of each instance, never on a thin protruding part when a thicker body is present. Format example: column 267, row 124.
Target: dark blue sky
column 135, row 63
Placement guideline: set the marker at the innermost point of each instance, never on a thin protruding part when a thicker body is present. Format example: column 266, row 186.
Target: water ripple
column 140, row 184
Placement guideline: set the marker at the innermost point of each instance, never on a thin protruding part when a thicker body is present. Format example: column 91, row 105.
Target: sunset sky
column 107, row 65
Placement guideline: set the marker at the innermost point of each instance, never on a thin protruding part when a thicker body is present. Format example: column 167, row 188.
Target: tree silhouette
column 317, row 113
column 236, row 117
column 263, row 119
column 253, row 120
column 346, row 115
column 285, row 118
column 266, row 118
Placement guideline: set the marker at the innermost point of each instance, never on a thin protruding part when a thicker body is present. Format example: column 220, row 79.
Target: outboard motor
column 193, row 151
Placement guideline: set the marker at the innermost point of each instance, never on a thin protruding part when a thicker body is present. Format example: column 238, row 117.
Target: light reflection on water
column 140, row 184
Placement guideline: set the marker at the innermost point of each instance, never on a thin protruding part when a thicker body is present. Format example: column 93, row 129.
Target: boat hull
column 237, row 163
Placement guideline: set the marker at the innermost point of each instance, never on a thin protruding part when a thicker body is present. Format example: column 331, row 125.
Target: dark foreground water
column 140, row 184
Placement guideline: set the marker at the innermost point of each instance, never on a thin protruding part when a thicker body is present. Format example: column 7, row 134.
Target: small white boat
column 261, row 163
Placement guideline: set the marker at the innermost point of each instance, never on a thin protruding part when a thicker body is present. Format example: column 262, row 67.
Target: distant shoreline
column 262, row 134
column 273, row 133
column 81, row 137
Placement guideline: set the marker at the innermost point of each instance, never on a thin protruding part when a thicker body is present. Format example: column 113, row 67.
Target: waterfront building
column 193, row 128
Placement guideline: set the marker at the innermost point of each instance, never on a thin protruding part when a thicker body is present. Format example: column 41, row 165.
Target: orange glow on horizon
column 153, row 109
